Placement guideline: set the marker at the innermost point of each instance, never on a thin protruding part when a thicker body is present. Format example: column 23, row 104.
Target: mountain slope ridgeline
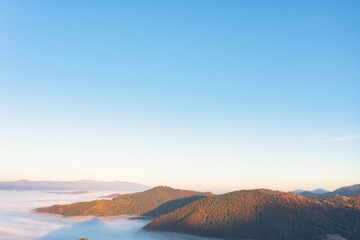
column 265, row 214
column 150, row 203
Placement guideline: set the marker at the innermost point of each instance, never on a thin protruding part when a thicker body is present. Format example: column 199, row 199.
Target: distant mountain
column 72, row 193
column 308, row 194
column 311, row 193
column 353, row 190
column 152, row 202
column 298, row 191
column 320, row 191
column 349, row 191
column 265, row 214
column 82, row 185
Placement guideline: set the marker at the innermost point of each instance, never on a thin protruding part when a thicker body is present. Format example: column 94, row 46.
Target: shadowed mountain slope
column 130, row 204
column 265, row 214
column 172, row 205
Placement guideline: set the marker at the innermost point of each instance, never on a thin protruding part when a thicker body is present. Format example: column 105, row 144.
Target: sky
column 207, row 95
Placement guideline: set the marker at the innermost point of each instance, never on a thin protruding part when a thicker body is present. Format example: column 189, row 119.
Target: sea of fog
column 19, row 222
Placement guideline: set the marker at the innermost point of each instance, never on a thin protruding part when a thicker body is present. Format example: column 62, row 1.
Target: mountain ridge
column 80, row 185
column 265, row 214
column 352, row 190
column 149, row 203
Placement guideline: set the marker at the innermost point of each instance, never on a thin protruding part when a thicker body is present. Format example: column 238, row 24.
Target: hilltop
column 265, row 214
column 152, row 202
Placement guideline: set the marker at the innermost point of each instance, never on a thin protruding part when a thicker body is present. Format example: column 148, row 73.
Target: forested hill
column 152, row 202
column 265, row 214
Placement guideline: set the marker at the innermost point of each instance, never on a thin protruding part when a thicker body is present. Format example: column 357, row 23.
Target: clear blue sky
column 216, row 95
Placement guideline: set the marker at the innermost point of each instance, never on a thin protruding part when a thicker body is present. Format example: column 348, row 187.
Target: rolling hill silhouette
column 265, row 214
column 152, row 202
